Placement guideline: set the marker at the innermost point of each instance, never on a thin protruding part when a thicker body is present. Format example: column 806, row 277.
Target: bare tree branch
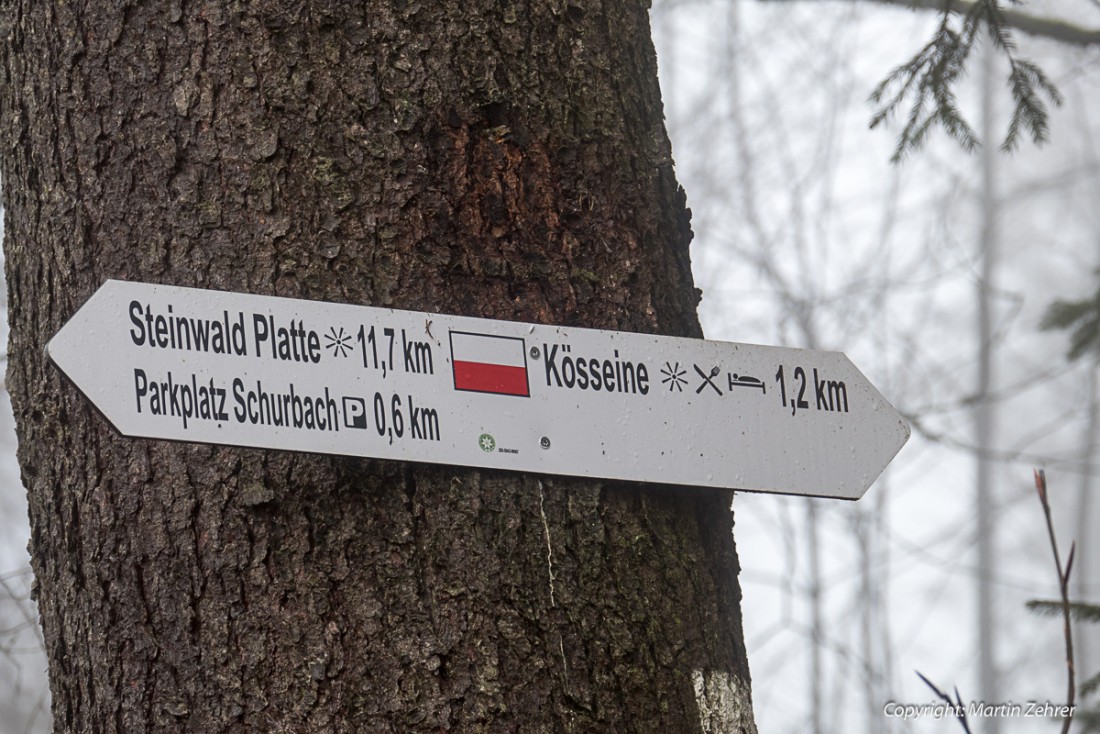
column 1063, row 586
column 955, row 706
column 1033, row 25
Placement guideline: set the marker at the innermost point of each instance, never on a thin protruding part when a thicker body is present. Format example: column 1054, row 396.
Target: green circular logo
column 487, row 443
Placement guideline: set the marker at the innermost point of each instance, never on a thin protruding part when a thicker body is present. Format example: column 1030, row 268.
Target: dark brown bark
column 481, row 157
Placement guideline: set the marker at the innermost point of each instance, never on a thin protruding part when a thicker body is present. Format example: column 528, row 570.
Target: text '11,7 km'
column 260, row 371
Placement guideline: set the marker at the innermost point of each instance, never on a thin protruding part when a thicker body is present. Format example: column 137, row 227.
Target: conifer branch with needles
column 926, row 83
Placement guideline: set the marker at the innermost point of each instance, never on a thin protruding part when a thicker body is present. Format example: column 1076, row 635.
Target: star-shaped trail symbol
column 338, row 341
column 674, row 376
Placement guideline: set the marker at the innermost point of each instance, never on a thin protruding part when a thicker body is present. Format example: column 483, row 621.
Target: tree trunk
column 985, row 407
column 484, row 157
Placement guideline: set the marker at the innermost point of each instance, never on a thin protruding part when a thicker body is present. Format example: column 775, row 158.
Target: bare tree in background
column 789, row 226
column 24, row 706
column 24, row 695
column 984, row 405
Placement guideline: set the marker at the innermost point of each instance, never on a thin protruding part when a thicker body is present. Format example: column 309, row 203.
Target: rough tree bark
column 482, row 157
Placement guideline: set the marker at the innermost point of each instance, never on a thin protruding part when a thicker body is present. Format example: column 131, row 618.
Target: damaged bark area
column 484, row 158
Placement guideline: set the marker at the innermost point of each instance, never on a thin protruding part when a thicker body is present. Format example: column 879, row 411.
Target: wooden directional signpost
column 229, row 368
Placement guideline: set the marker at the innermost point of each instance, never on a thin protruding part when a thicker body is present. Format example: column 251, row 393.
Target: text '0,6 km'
column 278, row 373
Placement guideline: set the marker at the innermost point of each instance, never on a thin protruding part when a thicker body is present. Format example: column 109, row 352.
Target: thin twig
column 956, row 706
column 1063, row 587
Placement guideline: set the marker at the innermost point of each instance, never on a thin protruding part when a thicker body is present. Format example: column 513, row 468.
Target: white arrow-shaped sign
column 244, row 370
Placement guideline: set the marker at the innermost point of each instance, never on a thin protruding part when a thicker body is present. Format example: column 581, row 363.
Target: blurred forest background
column 933, row 275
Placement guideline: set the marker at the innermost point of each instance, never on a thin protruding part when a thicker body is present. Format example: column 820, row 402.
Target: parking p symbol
column 355, row 412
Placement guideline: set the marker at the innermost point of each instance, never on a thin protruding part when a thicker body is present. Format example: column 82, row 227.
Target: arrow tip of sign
column 49, row 351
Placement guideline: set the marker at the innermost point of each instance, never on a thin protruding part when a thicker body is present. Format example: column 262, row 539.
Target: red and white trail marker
column 489, row 363
column 230, row 368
